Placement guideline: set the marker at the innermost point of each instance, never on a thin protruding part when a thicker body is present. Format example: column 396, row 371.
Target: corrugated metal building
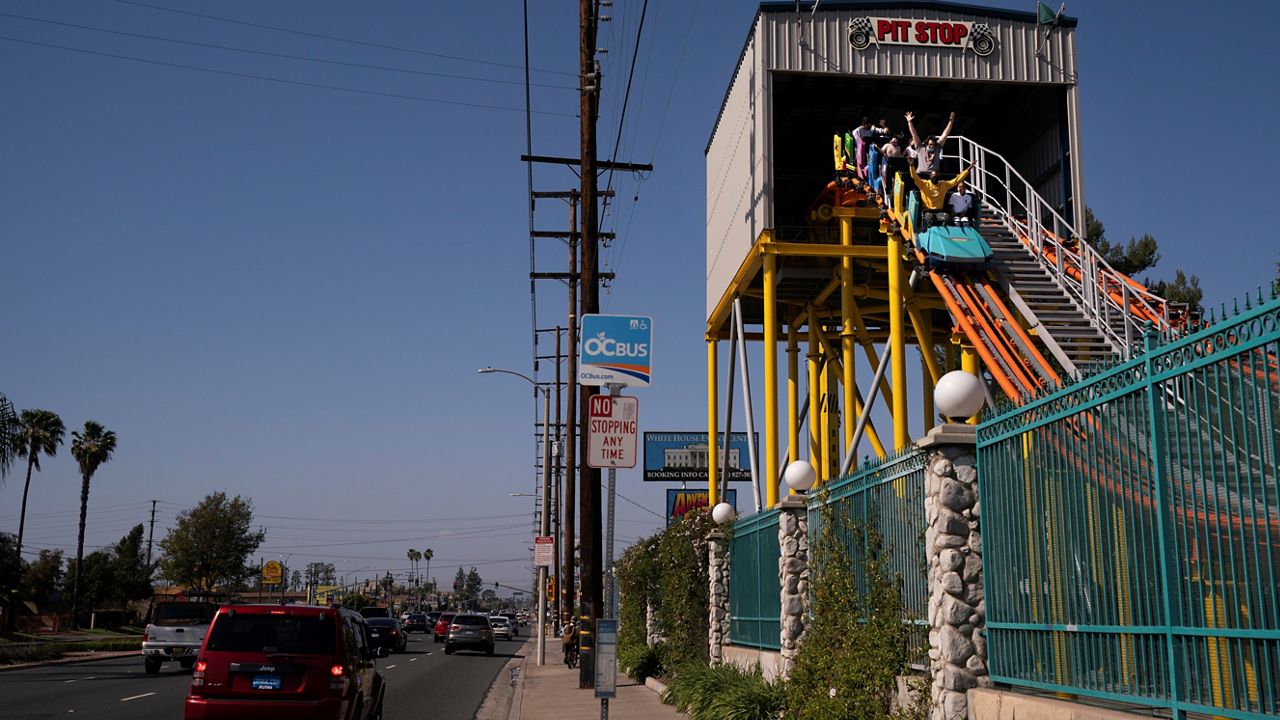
column 805, row 76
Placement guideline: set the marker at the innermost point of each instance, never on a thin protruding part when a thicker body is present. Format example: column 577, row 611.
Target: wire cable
column 332, row 37
column 285, row 56
column 268, row 78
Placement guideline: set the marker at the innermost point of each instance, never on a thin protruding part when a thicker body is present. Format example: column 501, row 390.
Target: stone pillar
column 718, row 571
column 953, row 544
column 793, row 575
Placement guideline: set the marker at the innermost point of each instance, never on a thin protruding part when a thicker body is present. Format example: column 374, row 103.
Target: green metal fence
column 754, row 604
column 885, row 500
column 1131, row 526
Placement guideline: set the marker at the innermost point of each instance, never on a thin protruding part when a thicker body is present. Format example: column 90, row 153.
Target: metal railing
column 884, row 501
column 1132, row 528
column 1113, row 303
column 755, row 606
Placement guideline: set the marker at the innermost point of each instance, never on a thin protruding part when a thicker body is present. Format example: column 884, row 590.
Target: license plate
column 266, row 682
column 179, row 651
column 375, row 633
column 471, row 632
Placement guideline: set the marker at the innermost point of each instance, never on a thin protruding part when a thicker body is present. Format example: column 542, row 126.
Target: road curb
column 71, row 660
column 502, row 692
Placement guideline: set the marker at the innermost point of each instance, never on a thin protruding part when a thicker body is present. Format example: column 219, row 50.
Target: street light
column 544, row 525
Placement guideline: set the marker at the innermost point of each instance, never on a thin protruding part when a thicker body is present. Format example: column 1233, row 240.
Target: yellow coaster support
column 847, row 335
column 897, row 340
column 769, row 474
column 793, row 392
column 815, row 400
column 969, row 364
column 713, row 432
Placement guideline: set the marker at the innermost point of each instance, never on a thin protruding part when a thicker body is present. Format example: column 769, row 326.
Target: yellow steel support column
column 926, row 398
column 847, row 334
column 824, row 407
column 713, row 431
column 831, row 418
column 969, row 364
column 793, row 392
column 815, row 441
column 770, row 471
column 953, row 353
column 898, row 342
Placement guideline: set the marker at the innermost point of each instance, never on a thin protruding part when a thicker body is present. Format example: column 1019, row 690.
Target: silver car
column 501, row 627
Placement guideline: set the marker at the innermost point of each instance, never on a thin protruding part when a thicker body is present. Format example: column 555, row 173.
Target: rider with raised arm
column 929, row 153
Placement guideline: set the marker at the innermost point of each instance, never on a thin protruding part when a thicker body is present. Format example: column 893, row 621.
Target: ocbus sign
column 615, row 350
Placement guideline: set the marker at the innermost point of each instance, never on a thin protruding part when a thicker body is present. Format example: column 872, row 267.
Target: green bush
column 724, row 692
column 856, row 643
column 643, row 661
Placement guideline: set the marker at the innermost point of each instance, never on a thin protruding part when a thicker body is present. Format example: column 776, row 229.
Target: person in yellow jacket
column 933, row 192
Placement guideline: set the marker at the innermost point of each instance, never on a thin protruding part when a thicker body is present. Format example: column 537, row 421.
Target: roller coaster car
column 954, row 247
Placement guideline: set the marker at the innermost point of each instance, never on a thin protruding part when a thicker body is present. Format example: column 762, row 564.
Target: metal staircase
column 1051, row 313
column 1082, row 309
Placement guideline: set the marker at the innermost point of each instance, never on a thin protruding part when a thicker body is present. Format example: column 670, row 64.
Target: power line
column 285, row 56
column 268, row 78
column 334, row 38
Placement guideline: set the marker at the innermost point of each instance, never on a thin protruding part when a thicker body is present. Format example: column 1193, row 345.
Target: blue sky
column 283, row 291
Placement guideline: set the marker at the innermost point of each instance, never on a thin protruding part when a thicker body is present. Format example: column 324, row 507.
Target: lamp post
column 544, row 521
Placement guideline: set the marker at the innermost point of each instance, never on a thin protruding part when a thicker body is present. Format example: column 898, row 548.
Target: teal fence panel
column 755, row 607
column 887, row 498
column 1131, row 526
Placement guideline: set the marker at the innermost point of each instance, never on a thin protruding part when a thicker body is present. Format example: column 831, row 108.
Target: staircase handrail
column 1101, row 290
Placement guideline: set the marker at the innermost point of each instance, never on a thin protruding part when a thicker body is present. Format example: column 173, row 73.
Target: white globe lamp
column 799, row 476
column 959, row 395
column 723, row 513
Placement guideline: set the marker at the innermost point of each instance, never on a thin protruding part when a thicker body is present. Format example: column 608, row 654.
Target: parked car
column 175, row 633
column 441, row 630
column 295, row 661
column 469, row 632
column 416, row 622
column 502, row 627
column 387, row 634
column 372, row 611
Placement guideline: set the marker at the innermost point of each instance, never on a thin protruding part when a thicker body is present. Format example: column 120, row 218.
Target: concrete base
column 770, row 661
column 988, row 704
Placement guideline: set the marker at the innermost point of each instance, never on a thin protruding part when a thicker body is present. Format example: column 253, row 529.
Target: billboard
column 680, row 502
column 682, row 457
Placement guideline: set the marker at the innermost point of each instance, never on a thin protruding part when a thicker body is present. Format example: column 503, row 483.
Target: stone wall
column 718, row 572
column 953, row 544
column 793, row 575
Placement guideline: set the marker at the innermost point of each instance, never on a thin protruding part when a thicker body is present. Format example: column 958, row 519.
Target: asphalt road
column 421, row 683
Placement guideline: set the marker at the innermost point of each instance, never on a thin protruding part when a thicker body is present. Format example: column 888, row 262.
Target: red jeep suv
column 282, row 662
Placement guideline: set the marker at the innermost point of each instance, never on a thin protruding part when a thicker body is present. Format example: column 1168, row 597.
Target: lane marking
column 136, row 697
column 391, row 667
column 413, row 659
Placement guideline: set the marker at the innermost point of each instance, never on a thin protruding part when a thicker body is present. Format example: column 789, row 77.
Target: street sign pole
column 610, row 594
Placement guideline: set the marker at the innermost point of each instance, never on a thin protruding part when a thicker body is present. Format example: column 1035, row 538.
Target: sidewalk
column 551, row 692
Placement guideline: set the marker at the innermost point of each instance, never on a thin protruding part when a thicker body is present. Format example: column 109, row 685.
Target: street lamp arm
column 522, row 376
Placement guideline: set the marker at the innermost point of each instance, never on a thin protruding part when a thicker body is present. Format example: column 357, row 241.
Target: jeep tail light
column 337, row 671
column 197, row 676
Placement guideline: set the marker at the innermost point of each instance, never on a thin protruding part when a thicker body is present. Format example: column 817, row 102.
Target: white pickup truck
column 176, row 631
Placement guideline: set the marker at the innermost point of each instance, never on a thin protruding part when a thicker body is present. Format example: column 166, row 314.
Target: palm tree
column 90, row 448
column 8, row 431
column 39, row 432
column 427, row 555
column 414, row 556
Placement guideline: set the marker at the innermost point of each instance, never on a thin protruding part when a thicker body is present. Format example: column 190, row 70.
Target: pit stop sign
column 611, row 431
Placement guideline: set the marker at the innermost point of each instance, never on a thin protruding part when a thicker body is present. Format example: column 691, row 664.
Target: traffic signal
column 551, row 587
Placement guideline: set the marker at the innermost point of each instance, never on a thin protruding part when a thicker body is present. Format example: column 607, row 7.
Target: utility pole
column 589, row 81
column 559, row 484
column 568, row 543
column 152, row 532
